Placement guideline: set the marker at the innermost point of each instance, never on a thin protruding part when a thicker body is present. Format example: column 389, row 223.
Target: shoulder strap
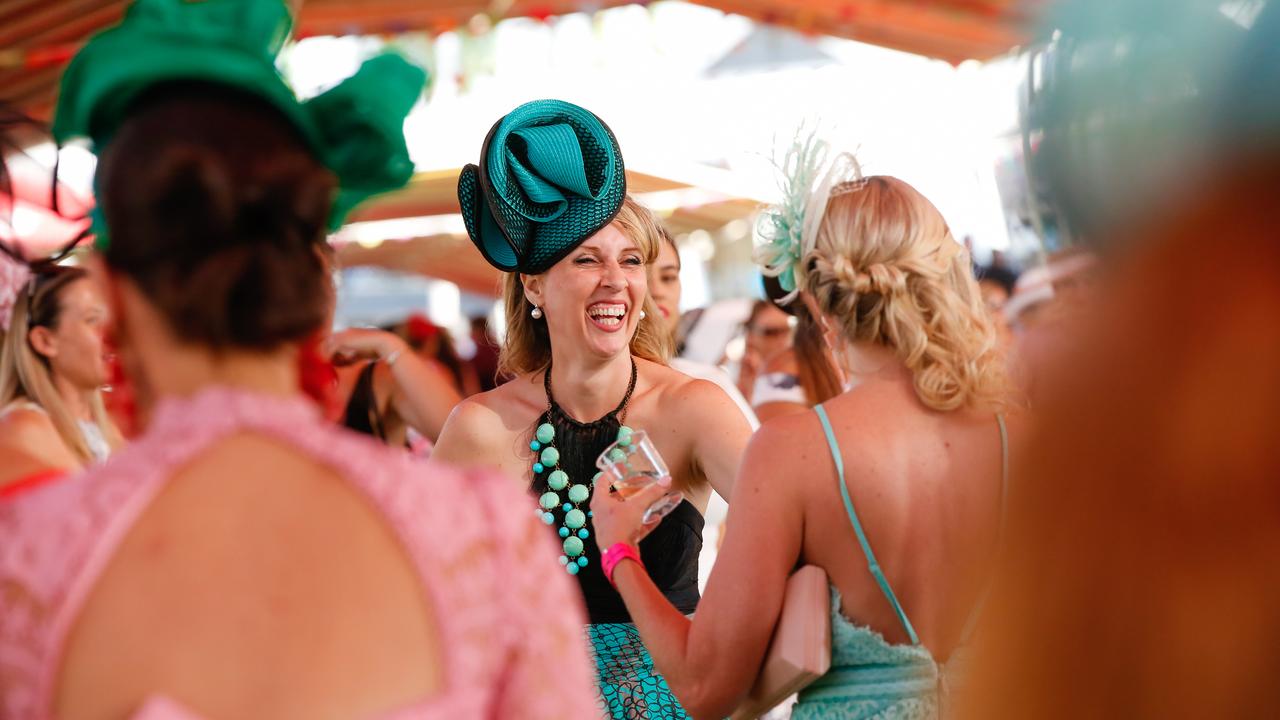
column 872, row 564
column 972, row 622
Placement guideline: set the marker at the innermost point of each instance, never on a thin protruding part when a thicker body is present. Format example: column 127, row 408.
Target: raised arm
column 711, row 661
column 422, row 392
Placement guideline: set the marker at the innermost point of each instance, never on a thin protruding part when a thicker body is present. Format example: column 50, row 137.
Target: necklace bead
column 572, row 530
column 545, row 433
column 573, row 547
column 550, row 456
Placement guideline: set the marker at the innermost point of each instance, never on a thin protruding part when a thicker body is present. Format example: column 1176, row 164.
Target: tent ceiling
column 38, row 36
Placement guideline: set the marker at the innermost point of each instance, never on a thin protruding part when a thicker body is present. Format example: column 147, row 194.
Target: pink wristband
column 615, row 554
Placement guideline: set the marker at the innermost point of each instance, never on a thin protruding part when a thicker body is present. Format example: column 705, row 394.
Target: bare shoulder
column 33, row 431
column 481, row 427
column 780, row 447
column 479, row 413
column 698, row 403
column 787, row 431
column 679, row 391
column 27, row 424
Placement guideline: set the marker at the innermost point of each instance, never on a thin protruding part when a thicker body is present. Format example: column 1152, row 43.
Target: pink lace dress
column 56, row 540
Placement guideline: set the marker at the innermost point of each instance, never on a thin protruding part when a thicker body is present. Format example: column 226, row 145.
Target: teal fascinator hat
column 550, row 176
column 356, row 129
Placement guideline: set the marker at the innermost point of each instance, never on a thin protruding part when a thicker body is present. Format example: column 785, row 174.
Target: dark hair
column 45, row 289
column 818, row 376
column 218, row 210
column 1002, row 276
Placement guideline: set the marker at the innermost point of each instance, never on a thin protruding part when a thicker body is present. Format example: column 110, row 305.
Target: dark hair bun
column 217, row 210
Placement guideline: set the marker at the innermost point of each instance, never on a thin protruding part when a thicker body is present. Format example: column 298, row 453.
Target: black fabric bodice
column 670, row 552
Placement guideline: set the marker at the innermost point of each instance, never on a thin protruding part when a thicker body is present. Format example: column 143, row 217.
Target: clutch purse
column 800, row 650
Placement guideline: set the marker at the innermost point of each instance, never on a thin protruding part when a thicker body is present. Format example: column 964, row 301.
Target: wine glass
column 632, row 464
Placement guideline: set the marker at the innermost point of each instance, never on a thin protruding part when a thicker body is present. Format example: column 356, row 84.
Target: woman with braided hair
column 919, row 446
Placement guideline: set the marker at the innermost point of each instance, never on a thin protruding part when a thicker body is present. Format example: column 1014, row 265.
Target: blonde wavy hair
column 885, row 265
column 527, row 347
column 25, row 374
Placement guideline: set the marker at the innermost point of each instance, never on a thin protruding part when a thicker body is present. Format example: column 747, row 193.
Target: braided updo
column 885, row 265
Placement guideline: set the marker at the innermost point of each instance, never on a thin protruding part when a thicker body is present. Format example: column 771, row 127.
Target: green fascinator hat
column 355, row 129
column 550, row 176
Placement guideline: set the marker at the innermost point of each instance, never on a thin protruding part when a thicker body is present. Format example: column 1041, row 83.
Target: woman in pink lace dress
column 244, row 558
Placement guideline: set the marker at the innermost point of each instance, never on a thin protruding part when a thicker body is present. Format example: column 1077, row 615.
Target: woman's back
column 244, row 559
column 926, row 487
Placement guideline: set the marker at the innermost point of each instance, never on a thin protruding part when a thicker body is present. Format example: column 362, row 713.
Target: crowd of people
column 212, row 505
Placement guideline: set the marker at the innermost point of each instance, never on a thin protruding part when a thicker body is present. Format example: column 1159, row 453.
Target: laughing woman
column 548, row 206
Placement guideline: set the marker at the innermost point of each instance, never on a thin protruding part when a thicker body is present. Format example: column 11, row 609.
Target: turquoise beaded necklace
column 563, row 496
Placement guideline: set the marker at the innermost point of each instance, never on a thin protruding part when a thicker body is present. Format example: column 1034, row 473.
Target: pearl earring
column 536, row 313
column 643, row 314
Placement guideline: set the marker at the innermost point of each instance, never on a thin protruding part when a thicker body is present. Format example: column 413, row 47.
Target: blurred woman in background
column 768, row 333
column 385, row 389
column 53, row 365
column 805, row 374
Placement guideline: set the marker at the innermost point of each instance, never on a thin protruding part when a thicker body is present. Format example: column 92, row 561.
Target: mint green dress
column 871, row 679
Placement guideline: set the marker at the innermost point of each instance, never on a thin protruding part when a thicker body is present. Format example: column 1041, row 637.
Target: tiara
column 788, row 230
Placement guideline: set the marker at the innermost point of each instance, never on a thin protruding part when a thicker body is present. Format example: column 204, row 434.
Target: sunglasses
column 769, row 332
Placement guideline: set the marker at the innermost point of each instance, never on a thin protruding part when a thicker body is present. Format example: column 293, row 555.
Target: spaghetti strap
column 872, row 564
column 974, row 614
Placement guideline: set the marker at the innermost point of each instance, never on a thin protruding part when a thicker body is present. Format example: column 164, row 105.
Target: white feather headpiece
column 786, row 232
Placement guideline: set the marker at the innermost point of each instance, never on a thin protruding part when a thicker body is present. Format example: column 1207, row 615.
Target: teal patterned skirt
column 629, row 687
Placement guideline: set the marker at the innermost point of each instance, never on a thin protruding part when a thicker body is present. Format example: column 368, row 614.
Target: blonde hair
column 527, row 347
column 26, row 375
column 885, row 265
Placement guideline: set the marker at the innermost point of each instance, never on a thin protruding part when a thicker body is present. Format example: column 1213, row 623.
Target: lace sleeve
column 548, row 674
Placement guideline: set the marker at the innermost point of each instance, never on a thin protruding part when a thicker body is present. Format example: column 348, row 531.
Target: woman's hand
column 619, row 520
column 355, row 344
